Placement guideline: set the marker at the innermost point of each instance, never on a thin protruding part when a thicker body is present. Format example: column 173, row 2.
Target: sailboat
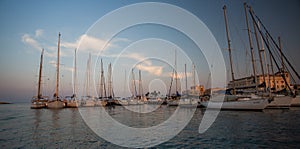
column 296, row 101
column 56, row 103
column 280, row 100
column 252, row 102
column 101, row 101
column 188, row 100
column 136, row 98
column 88, row 100
column 39, row 101
column 73, row 102
column 173, row 100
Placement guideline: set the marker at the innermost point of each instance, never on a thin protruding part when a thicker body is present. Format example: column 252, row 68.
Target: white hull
column 123, row 102
column 252, row 104
column 280, row 102
column 296, row 101
column 38, row 105
column 188, row 103
column 88, row 103
column 173, row 103
column 154, row 102
column 57, row 104
column 135, row 102
column 73, row 104
column 100, row 103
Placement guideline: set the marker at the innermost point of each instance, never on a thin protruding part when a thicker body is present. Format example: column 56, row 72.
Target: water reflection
column 138, row 133
column 36, row 130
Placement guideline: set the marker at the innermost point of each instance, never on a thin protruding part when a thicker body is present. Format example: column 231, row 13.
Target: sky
column 28, row 26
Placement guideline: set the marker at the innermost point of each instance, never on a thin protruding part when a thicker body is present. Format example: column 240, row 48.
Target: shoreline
column 5, row 102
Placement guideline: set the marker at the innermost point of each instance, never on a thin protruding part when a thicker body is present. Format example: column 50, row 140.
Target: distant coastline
column 5, row 102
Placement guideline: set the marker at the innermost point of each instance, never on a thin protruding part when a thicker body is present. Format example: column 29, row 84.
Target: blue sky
column 28, row 26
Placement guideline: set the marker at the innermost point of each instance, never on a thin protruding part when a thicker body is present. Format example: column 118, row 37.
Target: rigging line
column 282, row 74
column 171, row 83
column 240, row 37
column 285, row 47
column 289, row 71
column 278, row 56
column 276, row 45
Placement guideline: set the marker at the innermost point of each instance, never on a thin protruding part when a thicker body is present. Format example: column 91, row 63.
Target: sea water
column 22, row 127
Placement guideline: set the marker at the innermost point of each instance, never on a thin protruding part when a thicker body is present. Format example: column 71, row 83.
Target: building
column 277, row 82
column 197, row 90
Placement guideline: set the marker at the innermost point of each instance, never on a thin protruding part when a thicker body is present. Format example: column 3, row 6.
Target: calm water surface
column 22, row 127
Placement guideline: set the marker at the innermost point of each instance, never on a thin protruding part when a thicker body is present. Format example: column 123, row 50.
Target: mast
column 185, row 78
column 229, row 51
column 194, row 79
column 276, row 46
column 134, row 92
column 102, row 82
column 75, row 75
column 281, row 55
column 265, row 61
column 110, row 94
column 39, row 94
column 140, row 84
column 271, row 63
column 282, row 74
column 125, row 80
column 251, row 48
column 259, row 53
column 57, row 68
column 88, row 75
column 176, row 81
column 172, row 77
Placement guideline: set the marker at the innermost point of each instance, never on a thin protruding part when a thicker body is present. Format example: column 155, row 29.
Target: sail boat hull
column 280, row 102
column 72, row 104
column 296, row 101
column 252, row 104
column 38, row 105
column 57, row 104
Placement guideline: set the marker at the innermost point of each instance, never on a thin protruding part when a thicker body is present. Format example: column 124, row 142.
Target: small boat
column 136, row 98
column 173, row 100
column 88, row 101
column 154, row 98
column 135, row 101
column 254, row 103
column 280, row 101
column 296, row 101
column 56, row 103
column 73, row 102
column 188, row 102
column 100, row 102
column 38, row 104
column 123, row 102
column 38, row 101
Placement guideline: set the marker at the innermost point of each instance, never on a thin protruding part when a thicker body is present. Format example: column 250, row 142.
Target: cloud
column 180, row 75
column 155, row 70
column 54, row 64
column 27, row 39
column 89, row 44
column 85, row 42
column 39, row 32
column 136, row 56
